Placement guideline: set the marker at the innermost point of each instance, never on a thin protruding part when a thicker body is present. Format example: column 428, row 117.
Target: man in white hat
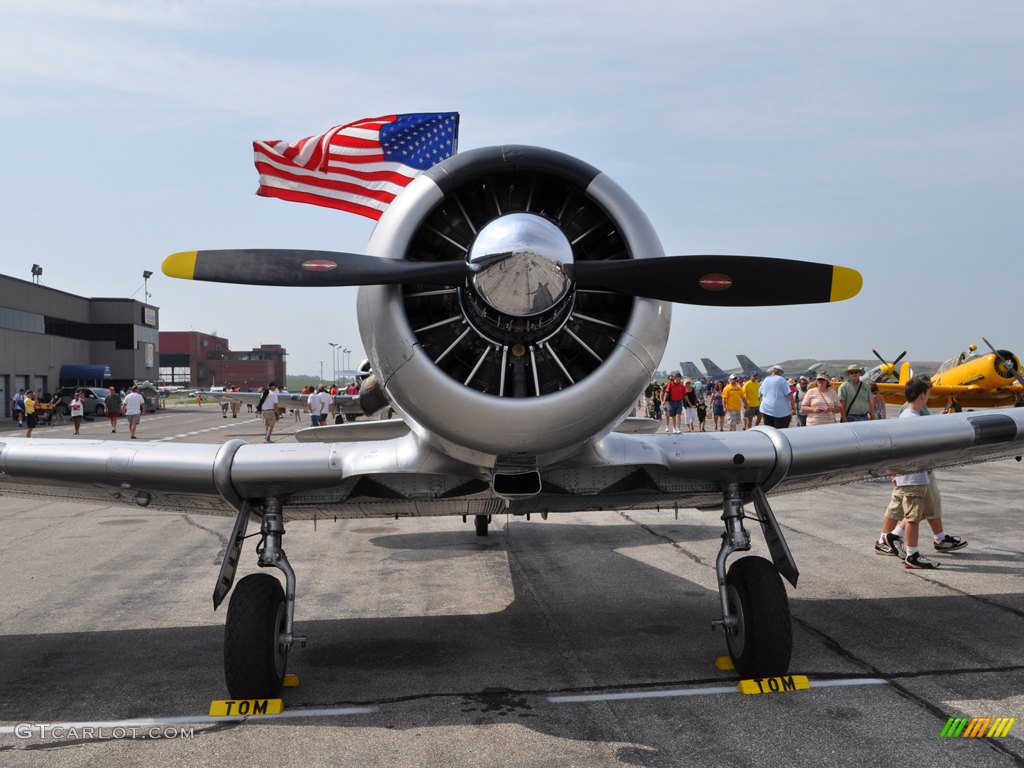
column 777, row 405
column 855, row 396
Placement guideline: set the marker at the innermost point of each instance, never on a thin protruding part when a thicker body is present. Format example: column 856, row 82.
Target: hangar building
column 50, row 338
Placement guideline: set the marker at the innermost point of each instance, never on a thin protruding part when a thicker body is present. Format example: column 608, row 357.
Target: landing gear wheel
column 761, row 643
column 254, row 657
column 481, row 521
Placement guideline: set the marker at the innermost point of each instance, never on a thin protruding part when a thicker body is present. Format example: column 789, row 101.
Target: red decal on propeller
column 715, row 282
column 319, row 266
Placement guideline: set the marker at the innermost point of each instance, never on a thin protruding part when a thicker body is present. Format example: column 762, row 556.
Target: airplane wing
column 404, row 476
column 354, row 431
column 347, row 404
column 967, row 395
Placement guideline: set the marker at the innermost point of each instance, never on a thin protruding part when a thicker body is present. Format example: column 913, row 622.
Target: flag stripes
column 358, row 167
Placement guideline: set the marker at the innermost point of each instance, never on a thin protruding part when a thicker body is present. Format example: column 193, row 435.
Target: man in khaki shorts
column 914, row 498
column 732, row 396
column 270, row 410
column 134, row 405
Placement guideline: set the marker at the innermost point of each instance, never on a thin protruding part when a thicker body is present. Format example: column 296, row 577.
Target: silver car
column 92, row 402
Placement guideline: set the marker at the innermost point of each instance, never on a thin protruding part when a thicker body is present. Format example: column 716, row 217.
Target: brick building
column 193, row 359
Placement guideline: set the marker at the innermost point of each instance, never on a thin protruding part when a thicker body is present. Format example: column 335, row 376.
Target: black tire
column 481, row 522
column 101, row 410
column 762, row 642
column 254, row 660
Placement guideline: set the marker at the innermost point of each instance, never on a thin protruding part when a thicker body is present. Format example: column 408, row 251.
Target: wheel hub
column 736, row 632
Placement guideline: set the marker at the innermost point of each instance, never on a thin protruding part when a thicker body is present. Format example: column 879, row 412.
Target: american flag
column 359, row 167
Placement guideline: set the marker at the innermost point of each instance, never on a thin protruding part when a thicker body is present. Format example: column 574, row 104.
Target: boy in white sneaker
column 914, row 498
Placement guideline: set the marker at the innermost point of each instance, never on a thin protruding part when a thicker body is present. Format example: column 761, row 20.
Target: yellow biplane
column 970, row 380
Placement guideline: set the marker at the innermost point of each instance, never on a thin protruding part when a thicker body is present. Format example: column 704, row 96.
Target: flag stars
column 421, row 140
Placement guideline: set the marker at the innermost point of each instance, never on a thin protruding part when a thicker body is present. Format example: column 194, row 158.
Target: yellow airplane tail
column 905, row 373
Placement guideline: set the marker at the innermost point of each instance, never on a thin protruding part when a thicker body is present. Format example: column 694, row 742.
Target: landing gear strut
column 259, row 630
column 755, row 608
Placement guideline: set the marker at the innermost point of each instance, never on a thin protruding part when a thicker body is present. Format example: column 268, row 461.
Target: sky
column 883, row 136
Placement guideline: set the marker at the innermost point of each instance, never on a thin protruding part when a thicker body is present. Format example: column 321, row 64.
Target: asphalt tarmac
column 583, row 640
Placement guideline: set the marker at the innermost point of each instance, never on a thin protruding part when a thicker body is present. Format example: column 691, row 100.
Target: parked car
column 93, row 402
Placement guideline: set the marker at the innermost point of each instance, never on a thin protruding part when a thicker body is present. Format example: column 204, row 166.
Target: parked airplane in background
column 714, row 372
column 969, row 380
column 514, row 303
column 887, row 371
column 748, row 367
column 346, row 406
column 690, row 371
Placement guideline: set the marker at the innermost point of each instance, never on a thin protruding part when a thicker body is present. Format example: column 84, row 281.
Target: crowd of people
column 31, row 408
column 737, row 404
column 320, row 405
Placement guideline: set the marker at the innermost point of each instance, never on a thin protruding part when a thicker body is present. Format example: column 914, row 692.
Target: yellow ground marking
column 246, row 707
column 782, row 684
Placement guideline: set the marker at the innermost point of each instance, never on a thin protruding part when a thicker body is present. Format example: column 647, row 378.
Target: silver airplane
column 515, row 302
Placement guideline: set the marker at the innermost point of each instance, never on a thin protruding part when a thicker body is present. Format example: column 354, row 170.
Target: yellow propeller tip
column 183, row 265
column 846, row 283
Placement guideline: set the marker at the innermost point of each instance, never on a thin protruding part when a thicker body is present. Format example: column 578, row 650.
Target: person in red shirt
column 675, row 390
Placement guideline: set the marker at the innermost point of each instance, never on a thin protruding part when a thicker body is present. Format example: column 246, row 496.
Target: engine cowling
column 516, row 360
column 1007, row 365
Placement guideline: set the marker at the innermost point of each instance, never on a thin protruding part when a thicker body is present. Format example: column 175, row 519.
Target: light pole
column 334, row 361
column 146, row 274
column 346, row 363
column 321, row 371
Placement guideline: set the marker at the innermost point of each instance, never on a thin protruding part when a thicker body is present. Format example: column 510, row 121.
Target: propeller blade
column 721, row 281
column 887, row 369
column 291, row 268
column 1008, row 363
